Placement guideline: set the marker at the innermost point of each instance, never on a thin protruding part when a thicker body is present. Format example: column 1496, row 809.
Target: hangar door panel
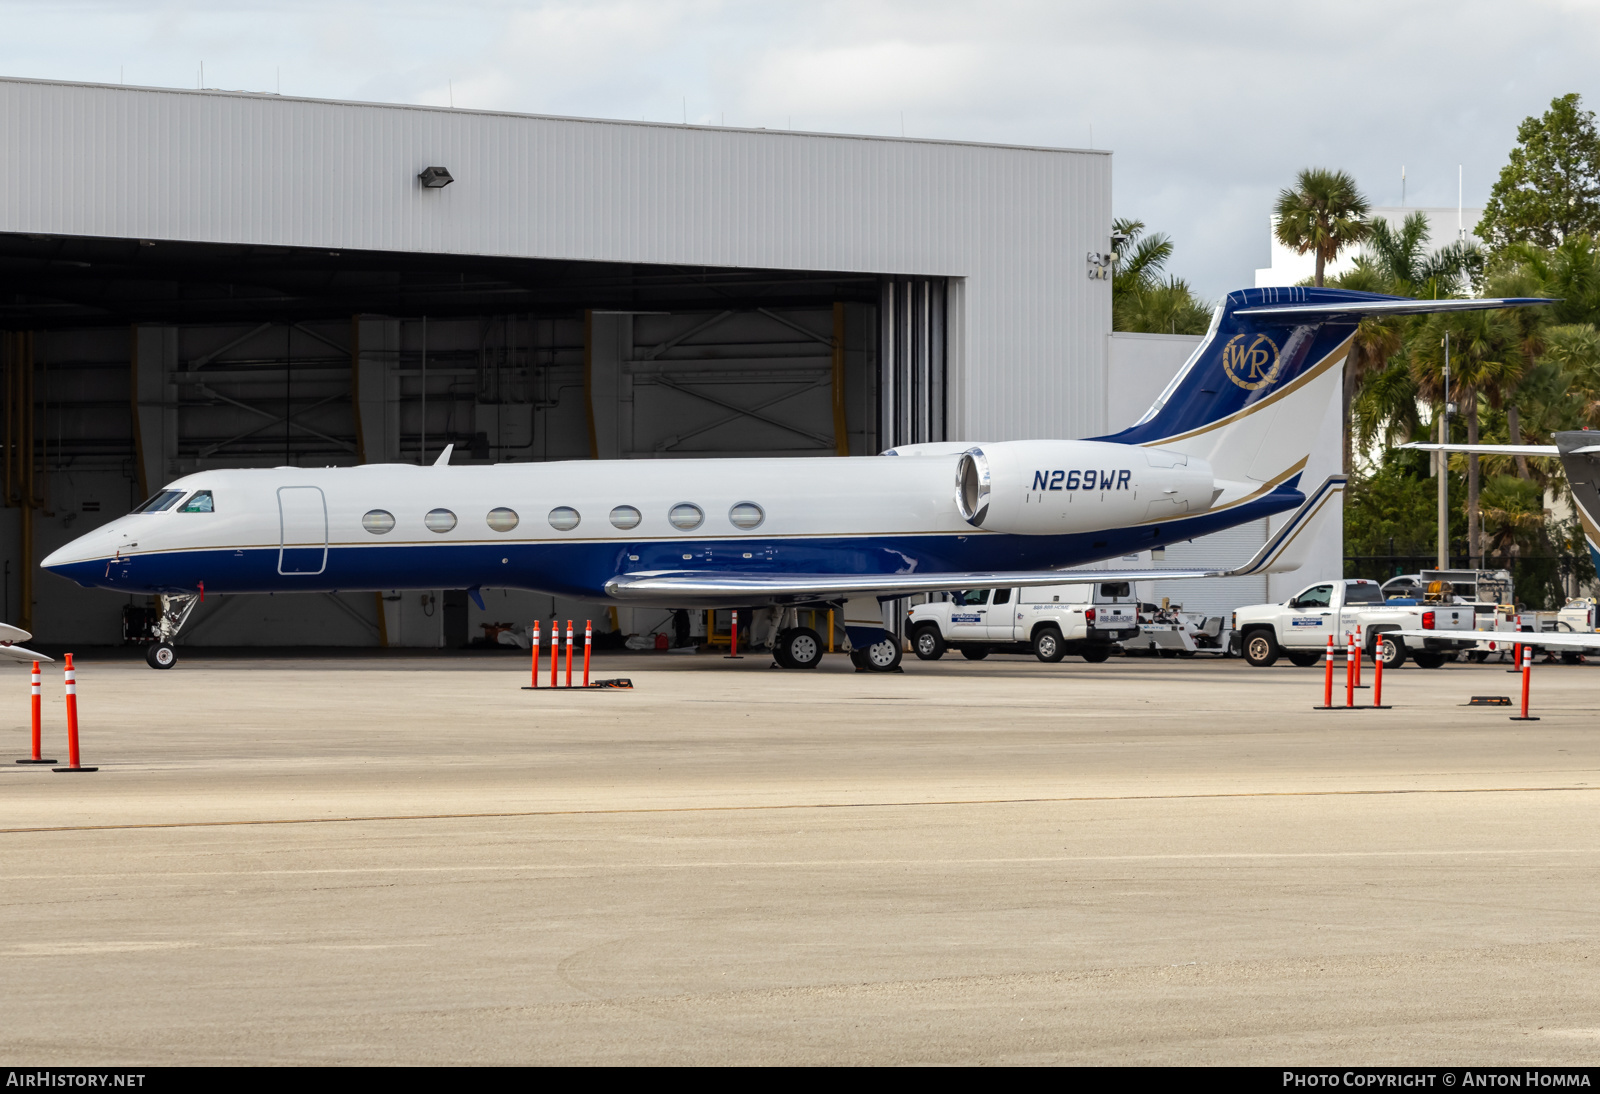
column 303, row 527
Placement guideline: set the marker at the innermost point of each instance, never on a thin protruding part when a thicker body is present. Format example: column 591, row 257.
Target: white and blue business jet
column 1225, row 444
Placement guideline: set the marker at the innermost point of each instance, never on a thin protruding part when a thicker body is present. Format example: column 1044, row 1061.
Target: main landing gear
column 175, row 611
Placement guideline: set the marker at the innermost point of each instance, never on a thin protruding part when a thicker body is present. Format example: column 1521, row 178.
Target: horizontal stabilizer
column 1283, row 551
column 1363, row 308
column 12, row 652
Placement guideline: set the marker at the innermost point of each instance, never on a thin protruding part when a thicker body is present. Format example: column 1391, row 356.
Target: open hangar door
column 128, row 363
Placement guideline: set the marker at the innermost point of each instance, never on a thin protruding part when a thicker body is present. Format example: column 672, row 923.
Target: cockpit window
column 201, row 502
column 161, row 502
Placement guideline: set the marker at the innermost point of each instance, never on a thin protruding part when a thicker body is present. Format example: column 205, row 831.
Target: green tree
column 1322, row 215
column 1550, row 189
column 1485, row 358
column 1142, row 299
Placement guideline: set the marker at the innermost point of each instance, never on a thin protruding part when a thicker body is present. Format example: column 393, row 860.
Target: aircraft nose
column 85, row 548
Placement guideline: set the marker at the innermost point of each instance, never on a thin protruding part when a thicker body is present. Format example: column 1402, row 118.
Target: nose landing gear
column 175, row 611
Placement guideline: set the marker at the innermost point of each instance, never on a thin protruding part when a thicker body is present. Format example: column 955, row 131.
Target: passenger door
column 303, row 530
column 969, row 616
column 1003, row 609
column 1309, row 618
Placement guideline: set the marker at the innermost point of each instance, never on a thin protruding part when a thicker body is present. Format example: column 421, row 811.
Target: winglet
column 444, row 457
column 1286, row 549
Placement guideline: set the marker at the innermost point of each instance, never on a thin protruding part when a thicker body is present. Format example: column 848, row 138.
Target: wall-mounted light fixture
column 436, row 178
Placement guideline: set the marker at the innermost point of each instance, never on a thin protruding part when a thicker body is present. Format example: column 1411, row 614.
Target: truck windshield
column 967, row 598
column 1315, row 597
column 1363, row 594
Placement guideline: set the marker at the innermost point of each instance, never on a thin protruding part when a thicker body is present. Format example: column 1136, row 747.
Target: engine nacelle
column 1049, row 488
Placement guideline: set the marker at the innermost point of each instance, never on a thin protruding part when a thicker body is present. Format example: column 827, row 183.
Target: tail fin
column 1580, row 458
column 1253, row 394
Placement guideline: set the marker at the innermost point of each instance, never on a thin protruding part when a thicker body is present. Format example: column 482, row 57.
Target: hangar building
column 195, row 279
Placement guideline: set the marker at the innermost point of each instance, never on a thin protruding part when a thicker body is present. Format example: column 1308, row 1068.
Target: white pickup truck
column 1299, row 627
column 1050, row 622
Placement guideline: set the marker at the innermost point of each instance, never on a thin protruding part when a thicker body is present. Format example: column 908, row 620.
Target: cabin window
column 625, row 517
column 969, row 598
column 378, row 522
column 439, row 520
column 1002, row 596
column 201, row 502
column 502, row 519
column 162, row 501
column 1115, row 590
column 686, row 516
column 564, row 518
column 746, row 515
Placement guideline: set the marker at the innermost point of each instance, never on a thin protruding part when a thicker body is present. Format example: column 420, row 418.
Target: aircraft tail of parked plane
column 1579, row 451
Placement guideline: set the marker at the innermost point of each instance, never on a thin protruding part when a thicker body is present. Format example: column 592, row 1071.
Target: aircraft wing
column 1497, row 449
column 12, row 652
column 1565, row 640
column 1283, row 551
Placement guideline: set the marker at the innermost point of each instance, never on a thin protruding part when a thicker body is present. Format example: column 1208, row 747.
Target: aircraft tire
column 975, row 653
column 1095, row 653
column 161, row 656
column 780, row 650
column 801, row 648
column 882, row 656
column 928, row 644
column 1306, row 658
column 1427, row 659
column 1048, row 646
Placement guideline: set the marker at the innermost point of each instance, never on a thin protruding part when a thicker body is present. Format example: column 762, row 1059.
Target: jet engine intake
column 1048, row 488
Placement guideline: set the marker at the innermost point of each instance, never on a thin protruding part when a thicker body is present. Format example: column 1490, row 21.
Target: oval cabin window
column 746, row 515
column 564, row 518
column 502, row 519
column 686, row 516
column 625, row 517
column 378, row 522
column 439, row 520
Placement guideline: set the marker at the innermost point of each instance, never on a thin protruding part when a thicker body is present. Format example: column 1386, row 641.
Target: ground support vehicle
column 1172, row 632
column 1299, row 628
column 1050, row 622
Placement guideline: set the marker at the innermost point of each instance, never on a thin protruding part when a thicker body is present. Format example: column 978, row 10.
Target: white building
column 204, row 278
column 1446, row 225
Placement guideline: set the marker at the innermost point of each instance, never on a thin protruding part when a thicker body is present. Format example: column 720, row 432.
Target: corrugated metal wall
column 1014, row 225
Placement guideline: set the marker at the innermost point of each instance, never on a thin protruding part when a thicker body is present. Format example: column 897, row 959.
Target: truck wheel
column 801, row 649
column 928, row 643
column 1305, row 658
column 974, row 653
column 1096, row 653
column 1261, row 648
column 1047, row 645
column 1428, row 659
column 1391, row 650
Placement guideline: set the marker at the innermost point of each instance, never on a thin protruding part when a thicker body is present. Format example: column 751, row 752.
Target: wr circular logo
column 1251, row 361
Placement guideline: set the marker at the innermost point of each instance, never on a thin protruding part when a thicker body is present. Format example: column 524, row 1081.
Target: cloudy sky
column 1210, row 109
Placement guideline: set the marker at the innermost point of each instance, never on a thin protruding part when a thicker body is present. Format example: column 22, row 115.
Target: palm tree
column 1322, row 215
column 1142, row 300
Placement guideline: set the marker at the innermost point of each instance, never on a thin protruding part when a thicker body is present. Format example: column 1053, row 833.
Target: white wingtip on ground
column 9, row 637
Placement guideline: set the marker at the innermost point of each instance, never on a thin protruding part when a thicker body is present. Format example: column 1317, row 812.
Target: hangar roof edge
column 268, row 96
